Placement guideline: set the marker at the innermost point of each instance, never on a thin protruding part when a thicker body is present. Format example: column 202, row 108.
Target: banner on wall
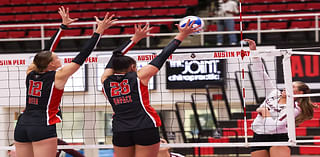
column 304, row 68
column 188, row 74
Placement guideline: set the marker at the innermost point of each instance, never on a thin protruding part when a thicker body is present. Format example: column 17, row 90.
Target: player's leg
column 46, row 147
column 123, row 144
column 220, row 27
column 44, row 140
column 147, row 151
column 22, row 142
column 147, row 142
column 260, row 153
column 124, row 151
column 283, row 151
column 24, row 149
column 230, row 27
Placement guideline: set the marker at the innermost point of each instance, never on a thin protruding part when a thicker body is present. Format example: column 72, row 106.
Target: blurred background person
column 227, row 8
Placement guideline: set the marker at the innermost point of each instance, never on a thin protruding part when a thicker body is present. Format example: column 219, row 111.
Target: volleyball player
column 135, row 123
column 270, row 125
column 35, row 133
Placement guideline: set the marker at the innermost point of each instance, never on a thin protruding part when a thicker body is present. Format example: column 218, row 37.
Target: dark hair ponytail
column 122, row 63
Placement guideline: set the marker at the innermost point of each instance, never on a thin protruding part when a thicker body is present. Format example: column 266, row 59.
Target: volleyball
column 198, row 21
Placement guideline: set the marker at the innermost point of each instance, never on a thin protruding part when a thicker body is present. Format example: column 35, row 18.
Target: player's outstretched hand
column 64, row 13
column 252, row 44
column 141, row 32
column 105, row 23
column 186, row 30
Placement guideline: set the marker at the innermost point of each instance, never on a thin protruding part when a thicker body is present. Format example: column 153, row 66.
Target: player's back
column 130, row 102
column 42, row 99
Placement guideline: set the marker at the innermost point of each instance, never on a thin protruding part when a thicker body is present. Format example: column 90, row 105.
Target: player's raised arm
column 140, row 33
column 66, row 21
column 64, row 73
column 146, row 72
column 53, row 42
column 259, row 71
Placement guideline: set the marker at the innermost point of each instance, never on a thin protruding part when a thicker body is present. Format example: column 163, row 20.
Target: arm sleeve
column 121, row 50
column 124, row 48
column 54, row 40
column 275, row 124
column 165, row 53
column 261, row 77
column 87, row 49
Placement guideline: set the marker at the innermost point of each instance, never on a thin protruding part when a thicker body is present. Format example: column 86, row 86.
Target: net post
column 289, row 91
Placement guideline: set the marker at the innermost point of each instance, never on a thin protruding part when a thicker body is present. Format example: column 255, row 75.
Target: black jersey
column 42, row 100
column 130, row 102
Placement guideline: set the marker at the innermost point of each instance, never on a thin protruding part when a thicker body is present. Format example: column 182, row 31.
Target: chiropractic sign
column 194, row 73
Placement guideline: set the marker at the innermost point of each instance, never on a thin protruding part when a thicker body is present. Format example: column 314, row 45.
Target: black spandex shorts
column 142, row 137
column 33, row 133
column 268, row 138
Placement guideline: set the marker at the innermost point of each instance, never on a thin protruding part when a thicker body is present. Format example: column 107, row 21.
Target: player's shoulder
column 132, row 74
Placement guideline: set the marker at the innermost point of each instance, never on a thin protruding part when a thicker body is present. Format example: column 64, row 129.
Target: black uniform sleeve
column 53, row 42
column 87, row 49
column 165, row 53
column 121, row 50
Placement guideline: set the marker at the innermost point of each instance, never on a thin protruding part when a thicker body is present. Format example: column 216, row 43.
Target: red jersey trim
column 144, row 98
column 128, row 47
column 104, row 93
column 53, row 106
column 56, row 40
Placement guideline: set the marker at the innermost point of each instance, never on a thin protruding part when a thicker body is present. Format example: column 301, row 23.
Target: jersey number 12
column 35, row 88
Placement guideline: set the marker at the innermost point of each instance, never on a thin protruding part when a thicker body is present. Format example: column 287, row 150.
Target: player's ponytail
column 304, row 103
column 42, row 60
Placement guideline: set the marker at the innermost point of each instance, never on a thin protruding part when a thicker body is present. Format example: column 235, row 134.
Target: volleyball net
column 206, row 98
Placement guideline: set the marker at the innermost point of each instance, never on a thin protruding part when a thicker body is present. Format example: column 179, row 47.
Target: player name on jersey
column 122, row 100
column 33, row 100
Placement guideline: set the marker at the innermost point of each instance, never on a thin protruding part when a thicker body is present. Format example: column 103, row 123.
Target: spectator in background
column 227, row 8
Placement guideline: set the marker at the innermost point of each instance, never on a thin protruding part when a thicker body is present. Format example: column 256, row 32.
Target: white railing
column 202, row 34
